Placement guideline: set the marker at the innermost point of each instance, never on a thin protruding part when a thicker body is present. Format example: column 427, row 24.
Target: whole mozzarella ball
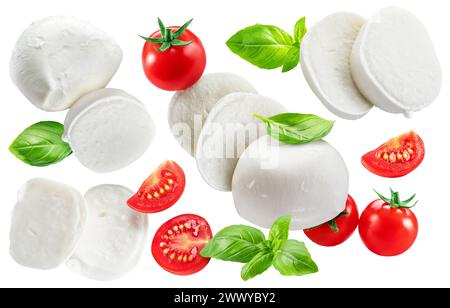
column 309, row 182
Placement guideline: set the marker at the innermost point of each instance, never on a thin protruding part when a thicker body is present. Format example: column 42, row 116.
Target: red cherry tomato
column 397, row 157
column 338, row 230
column 387, row 227
column 173, row 62
column 162, row 189
column 177, row 244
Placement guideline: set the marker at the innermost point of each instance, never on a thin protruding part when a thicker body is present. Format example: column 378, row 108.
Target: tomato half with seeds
column 162, row 189
column 397, row 157
column 177, row 244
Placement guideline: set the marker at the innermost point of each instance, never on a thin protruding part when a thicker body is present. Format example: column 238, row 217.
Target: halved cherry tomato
column 397, row 157
column 162, row 189
column 177, row 244
column 338, row 230
column 388, row 227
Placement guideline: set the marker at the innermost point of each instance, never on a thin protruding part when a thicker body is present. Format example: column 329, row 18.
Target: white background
column 351, row 264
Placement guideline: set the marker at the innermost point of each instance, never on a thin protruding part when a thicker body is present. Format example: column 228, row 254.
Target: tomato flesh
column 161, row 190
column 177, row 244
column 386, row 230
column 346, row 223
column 397, row 157
column 177, row 68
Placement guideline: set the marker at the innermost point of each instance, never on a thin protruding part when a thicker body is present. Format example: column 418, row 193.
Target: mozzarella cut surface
column 108, row 129
column 114, row 236
column 309, row 182
column 59, row 59
column 325, row 59
column 230, row 127
column 189, row 109
column 394, row 62
column 47, row 223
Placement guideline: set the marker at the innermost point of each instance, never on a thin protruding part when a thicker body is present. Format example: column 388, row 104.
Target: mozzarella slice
column 47, row 223
column 59, row 59
column 309, row 182
column 394, row 62
column 230, row 127
column 325, row 54
column 189, row 109
column 108, row 129
column 114, row 236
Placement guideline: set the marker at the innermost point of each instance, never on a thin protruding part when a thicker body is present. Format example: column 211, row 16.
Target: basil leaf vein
column 258, row 265
column 280, row 229
column 296, row 128
column 264, row 46
column 41, row 144
column 293, row 259
column 235, row 243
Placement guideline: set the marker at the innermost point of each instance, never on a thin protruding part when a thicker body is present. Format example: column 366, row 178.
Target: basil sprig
column 269, row 47
column 296, row 128
column 248, row 245
column 41, row 144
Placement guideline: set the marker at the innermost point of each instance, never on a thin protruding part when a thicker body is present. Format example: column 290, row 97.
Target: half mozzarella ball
column 230, row 127
column 309, row 182
column 47, row 223
column 59, row 59
column 114, row 236
column 189, row 109
column 325, row 59
column 108, row 129
column 395, row 64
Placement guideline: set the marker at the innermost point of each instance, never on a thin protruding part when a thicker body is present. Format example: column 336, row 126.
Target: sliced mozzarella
column 394, row 62
column 59, row 59
column 230, row 127
column 189, row 109
column 47, row 223
column 325, row 54
column 114, row 236
column 108, row 129
column 309, row 182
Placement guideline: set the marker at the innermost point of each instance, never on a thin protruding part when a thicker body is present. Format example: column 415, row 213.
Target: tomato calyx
column 169, row 38
column 395, row 200
column 332, row 223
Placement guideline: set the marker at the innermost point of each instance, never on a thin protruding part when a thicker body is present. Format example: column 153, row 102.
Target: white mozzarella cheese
column 108, row 129
column 189, row 109
column 47, row 223
column 230, row 127
column 59, row 59
column 325, row 59
column 114, row 236
column 309, row 182
column 394, row 62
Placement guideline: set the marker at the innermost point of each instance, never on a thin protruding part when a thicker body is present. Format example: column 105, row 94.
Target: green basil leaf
column 300, row 29
column 235, row 243
column 292, row 59
column 293, row 259
column 262, row 45
column 280, row 229
column 258, row 265
column 296, row 128
column 41, row 144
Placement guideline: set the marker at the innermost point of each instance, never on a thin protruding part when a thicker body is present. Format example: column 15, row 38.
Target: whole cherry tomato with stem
column 173, row 57
column 337, row 230
column 388, row 227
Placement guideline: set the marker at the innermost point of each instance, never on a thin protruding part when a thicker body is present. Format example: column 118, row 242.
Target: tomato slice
column 162, row 189
column 177, row 244
column 397, row 157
